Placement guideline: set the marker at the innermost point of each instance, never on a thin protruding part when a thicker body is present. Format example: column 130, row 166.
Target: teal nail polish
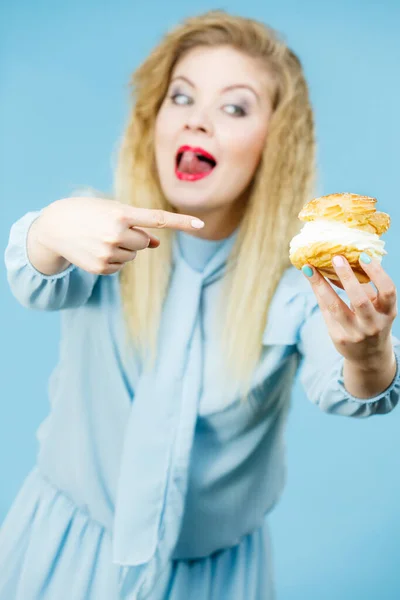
column 307, row 271
column 365, row 258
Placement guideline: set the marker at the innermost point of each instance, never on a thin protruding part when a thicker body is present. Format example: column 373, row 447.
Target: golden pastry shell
column 352, row 210
column 320, row 256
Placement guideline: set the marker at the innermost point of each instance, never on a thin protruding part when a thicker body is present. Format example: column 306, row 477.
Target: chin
column 189, row 204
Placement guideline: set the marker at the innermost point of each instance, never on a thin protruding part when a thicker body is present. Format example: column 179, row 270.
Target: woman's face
column 210, row 132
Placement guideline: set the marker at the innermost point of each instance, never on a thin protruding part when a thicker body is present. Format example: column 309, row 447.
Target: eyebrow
column 226, row 89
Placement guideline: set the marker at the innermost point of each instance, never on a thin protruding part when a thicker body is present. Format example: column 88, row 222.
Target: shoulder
column 294, row 289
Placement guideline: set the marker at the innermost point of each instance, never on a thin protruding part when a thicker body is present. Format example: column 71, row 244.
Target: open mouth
column 193, row 164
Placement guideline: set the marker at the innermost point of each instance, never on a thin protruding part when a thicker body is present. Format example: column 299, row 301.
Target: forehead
column 222, row 66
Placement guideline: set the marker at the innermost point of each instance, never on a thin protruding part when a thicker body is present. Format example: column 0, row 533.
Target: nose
column 198, row 120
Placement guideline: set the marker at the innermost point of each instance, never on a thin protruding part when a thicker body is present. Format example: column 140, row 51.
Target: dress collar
column 199, row 253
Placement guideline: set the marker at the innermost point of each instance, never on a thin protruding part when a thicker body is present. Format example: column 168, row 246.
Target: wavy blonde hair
column 281, row 185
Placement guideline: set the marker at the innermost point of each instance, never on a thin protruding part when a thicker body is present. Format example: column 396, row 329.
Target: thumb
column 154, row 241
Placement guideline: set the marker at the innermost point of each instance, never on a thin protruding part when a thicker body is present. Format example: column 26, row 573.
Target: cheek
column 245, row 148
column 159, row 129
column 162, row 137
column 252, row 145
column 164, row 125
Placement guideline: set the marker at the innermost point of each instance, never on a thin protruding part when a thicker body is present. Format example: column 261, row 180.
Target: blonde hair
column 281, row 185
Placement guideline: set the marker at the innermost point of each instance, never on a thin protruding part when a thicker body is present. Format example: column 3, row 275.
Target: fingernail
column 365, row 258
column 338, row 261
column 197, row 224
column 307, row 270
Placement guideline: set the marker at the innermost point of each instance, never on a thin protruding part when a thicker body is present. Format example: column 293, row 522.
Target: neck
column 220, row 222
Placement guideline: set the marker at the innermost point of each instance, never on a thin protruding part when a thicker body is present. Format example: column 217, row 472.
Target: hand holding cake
column 339, row 224
column 340, row 241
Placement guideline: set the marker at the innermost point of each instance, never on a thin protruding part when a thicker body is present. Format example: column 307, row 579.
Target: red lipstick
column 200, row 152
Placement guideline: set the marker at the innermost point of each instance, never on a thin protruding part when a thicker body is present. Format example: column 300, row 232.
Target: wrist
column 39, row 250
column 378, row 361
column 39, row 231
column 369, row 378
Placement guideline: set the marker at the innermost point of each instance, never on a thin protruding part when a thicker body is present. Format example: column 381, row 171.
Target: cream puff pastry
column 346, row 224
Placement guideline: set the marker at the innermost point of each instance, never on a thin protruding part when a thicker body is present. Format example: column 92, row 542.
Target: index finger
column 387, row 296
column 161, row 219
column 357, row 294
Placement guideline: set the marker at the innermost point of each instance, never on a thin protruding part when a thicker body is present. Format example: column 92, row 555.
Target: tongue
column 192, row 165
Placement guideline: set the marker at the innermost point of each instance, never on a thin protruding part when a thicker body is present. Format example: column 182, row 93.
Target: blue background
column 64, row 70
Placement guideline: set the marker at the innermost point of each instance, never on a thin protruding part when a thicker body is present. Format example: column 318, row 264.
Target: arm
column 322, row 377
column 41, row 258
column 67, row 287
column 73, row 241
column 367, row 380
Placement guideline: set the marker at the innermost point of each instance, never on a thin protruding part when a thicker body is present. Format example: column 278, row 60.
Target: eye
column 180, row 99
column 235, row 110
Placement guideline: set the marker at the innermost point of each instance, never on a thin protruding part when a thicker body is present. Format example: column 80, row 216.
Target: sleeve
column 321, row 372
column 69, row 289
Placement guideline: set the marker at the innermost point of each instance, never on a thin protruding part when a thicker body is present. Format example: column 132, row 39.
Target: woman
column 162, row 455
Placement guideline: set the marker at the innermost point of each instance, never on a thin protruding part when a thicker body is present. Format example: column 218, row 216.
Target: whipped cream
column 324, row 230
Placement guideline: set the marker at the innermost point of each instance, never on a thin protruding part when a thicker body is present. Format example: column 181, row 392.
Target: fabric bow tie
column 159, row 435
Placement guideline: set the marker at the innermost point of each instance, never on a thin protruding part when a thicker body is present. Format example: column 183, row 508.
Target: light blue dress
column 159, row 485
